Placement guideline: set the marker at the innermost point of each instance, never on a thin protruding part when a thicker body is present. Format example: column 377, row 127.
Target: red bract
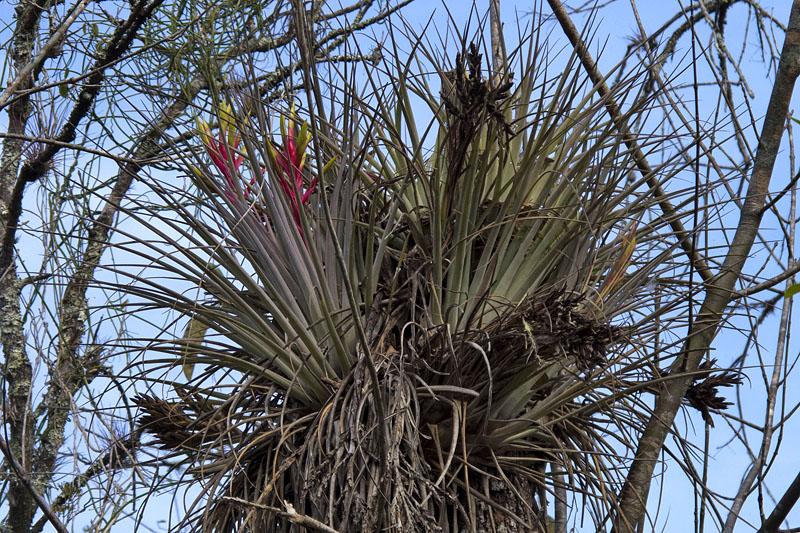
column 224, row 158
column 289, row 161
column 224, row 152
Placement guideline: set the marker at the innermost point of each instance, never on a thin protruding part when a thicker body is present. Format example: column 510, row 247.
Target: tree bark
column 18, row 371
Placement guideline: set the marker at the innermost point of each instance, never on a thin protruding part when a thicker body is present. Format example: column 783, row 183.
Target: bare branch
column 36, row 63
column 19, row 470
column 720, row 293
column 616, row 115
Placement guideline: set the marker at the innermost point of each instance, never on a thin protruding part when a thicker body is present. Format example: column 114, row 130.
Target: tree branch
column 783, row 507
column 19, row 470
column 36, row 168
column 641, row 161
column 36, row 63
column 633, row 498
column 17, row 369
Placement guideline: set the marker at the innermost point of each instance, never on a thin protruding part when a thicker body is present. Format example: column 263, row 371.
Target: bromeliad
column 289, row 161
column 224, row 152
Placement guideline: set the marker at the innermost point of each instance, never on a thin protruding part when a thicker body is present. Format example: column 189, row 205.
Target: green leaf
column 791, row 291
column 194, row 335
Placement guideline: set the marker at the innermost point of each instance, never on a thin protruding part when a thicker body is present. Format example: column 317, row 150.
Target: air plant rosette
column 446, row 350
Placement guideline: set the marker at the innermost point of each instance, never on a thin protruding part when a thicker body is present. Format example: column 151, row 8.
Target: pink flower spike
column 222, row 149
column 288, row 161
column 290, row 147
column 311, row 187
column 224, row 157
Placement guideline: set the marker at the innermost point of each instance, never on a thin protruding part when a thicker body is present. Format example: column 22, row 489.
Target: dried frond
column 703, row 392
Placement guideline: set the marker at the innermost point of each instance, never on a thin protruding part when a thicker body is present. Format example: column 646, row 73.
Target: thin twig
column 778, row 515
column 616, row 115
column 633, row 498
column 290, row 514
column 768, row 284
column 756, row 469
